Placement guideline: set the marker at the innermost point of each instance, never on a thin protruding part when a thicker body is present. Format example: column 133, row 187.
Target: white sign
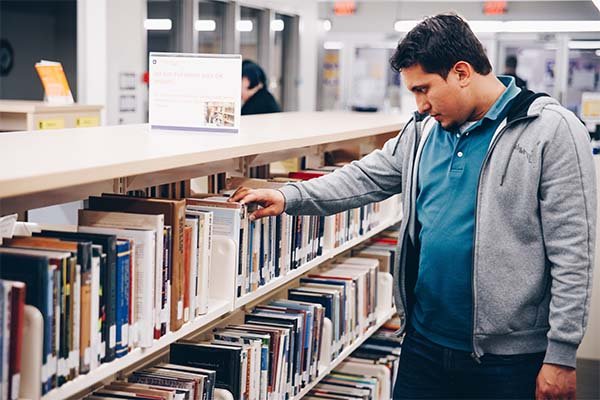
column 195, row 92
column 590, row 107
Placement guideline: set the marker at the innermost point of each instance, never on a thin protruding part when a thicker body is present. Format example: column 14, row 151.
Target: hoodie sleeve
column 375, row 177
column 568, row 212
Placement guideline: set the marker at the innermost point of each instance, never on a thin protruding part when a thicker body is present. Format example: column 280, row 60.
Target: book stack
column 347, row 289
column 369, row 373
column 12, row 304
column 279, row 347
column 133, row 270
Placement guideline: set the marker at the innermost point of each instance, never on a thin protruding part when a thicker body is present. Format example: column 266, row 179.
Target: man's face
column 443, row 99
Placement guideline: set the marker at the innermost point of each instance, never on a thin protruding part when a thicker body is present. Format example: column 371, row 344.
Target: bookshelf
column 71, row 164
column 25, row 115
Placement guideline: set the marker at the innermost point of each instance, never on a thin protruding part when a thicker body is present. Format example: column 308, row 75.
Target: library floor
column 588, row 379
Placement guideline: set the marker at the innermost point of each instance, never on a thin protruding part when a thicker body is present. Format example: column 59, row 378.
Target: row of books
column 137, row 268
column 274, row 246
column 12, row 304
column 369, row 373
column 279, row 347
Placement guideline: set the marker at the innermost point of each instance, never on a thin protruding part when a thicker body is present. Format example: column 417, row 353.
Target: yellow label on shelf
column 57, row 123
column 86, row 122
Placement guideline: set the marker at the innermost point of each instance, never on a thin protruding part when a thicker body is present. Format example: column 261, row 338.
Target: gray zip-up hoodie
column 535, row 220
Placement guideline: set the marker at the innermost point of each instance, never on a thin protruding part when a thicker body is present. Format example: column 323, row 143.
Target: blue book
column 123, row 297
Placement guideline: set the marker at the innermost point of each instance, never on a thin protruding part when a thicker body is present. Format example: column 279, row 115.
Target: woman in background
column 256, row 98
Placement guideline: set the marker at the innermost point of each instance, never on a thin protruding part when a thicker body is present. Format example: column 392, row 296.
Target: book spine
column 122, row 311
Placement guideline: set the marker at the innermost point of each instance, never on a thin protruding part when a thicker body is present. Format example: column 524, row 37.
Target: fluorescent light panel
column 584, row 44
column 205, row 25
column 244, row 25
column 493, row 26
column 159, row 24
column 333, row 45
column 277, row 25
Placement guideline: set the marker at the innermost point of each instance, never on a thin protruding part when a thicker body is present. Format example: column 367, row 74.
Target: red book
column 17, row 305
column 306, row 175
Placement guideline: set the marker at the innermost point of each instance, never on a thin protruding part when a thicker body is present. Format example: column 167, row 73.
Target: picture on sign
column 195, row 92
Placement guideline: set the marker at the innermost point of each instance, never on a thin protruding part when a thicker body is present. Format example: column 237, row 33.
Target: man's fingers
column 263, row 212
column 239, row 194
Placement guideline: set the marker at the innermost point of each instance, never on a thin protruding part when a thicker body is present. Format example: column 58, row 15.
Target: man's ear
column 463, row 72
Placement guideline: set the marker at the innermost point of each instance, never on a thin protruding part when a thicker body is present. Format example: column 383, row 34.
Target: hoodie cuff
column 292, row 197
column 561, row 353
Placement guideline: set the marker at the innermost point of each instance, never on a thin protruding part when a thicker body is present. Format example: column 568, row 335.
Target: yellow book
column 55, row 82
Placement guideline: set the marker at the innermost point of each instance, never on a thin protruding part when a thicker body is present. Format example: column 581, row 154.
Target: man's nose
column 423, row 106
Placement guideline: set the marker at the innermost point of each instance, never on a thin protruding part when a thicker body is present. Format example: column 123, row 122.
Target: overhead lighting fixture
column 277, row 25
column 327, row 25
column 584, row 44
column 598, row 53
column 158, row 24
column 494, row 26
column 333, row 45
column 205, row 25
column 244, row 25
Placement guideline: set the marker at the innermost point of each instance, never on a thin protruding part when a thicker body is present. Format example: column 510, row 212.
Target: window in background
column 164, row 40
column 31, row 31
column 281, row 26
column 248, row 26
column 210, row 26
column 584, row 76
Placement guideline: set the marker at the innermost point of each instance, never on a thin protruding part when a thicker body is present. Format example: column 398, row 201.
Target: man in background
column 510, row 69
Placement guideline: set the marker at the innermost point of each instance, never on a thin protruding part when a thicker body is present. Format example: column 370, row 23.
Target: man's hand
column 271, row 200
column 555, row 382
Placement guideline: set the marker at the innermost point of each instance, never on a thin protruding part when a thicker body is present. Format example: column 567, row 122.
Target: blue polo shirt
column 447, row 186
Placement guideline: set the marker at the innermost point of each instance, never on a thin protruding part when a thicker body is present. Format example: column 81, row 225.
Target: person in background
column 255, row 96
column 496, row 246
column 510, row 69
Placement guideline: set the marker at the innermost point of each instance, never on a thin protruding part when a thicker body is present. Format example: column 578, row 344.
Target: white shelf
column 295, row 273
column 216, row 310
column 34, row 161
column 382, row 319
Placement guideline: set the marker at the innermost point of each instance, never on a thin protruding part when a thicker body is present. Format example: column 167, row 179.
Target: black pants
column 431, row 371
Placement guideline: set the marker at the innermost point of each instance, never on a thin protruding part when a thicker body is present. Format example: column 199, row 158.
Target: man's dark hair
column 511, row 62
column 254, row 73
column 439, row 42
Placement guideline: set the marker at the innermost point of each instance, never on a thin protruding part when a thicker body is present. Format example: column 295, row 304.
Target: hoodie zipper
column 475, row 354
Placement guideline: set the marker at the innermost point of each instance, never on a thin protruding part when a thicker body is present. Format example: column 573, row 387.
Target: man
column 510, row 69
column 496, row 247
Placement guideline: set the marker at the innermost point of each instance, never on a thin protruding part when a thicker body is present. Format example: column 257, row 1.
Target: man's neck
column 489, row 89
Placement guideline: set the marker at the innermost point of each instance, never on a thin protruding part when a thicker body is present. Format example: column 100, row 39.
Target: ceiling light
column 277, row 25
column 333, row 45
column 244, row 25
column 584, row 44
column 205, row 25
column 598, row 53
column 160, row 24
column 327, row 25
column 494, row 26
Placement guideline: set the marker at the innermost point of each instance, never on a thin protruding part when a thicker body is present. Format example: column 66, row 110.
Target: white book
column 205, row 232
column 190, row 312
column 153, row 275
column 144, row 258
column 229, row 221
